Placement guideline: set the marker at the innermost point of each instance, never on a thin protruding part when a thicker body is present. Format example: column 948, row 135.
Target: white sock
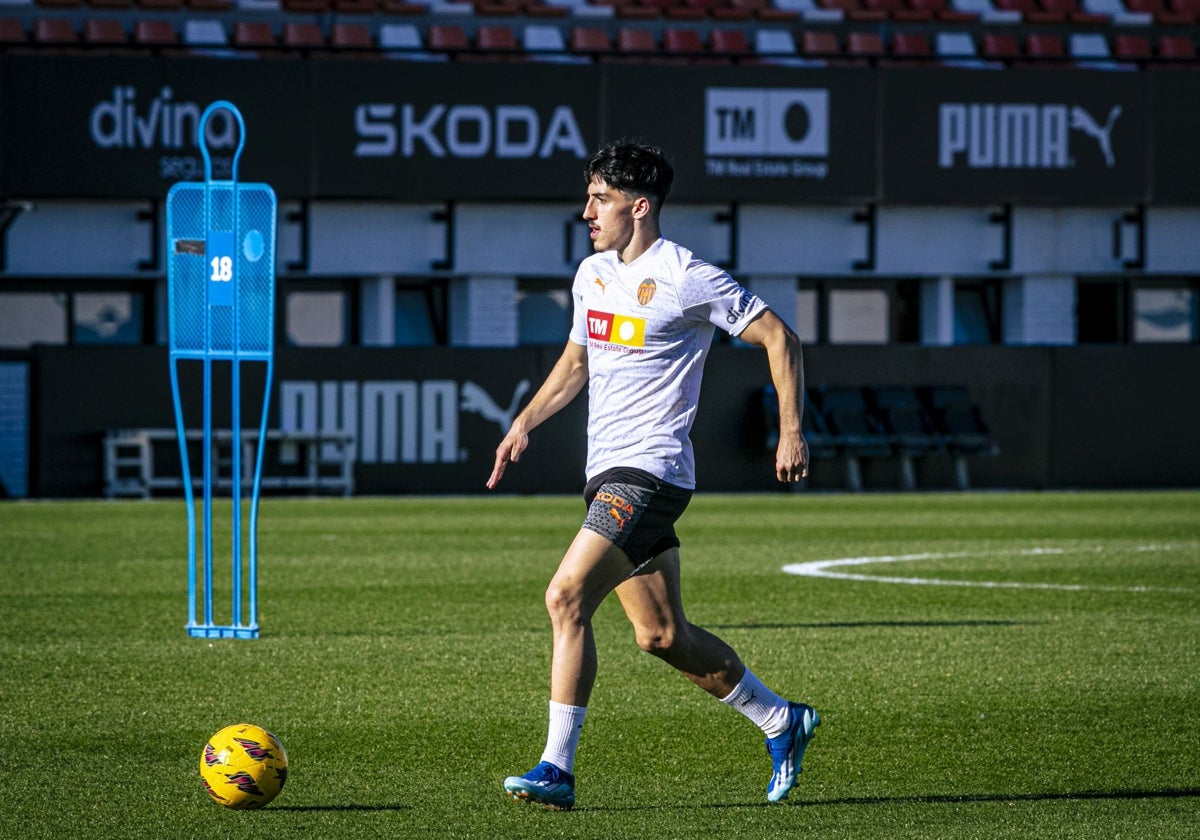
column 767, row 709
column 562, row 740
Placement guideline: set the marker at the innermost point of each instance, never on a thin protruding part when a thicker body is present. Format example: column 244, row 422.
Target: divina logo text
column 124, row 122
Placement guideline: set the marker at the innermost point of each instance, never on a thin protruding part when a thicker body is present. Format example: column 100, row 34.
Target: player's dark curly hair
column 633, row 168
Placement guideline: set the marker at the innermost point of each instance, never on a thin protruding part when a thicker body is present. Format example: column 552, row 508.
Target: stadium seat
column 730, row 43
column 865, row 46
column 1132, row 48
column 253, row 35
column 545, row 42
column 820, row 45
column 637, row 42
column 684, row 42
column 1045, row 49
column 393, row 8
column 592, row 41
column 911, row 46
column 957, row 49
column 494, row 42
column 155, row 33
column 204, row 33
column 1000, row 47
column 1158, row 10
column 104, row 32
column 1177, row 49
column 12, row 32
column 855, row 430
column 1116, row 11
column 960, row 424
column 775, row 46
column 404, row 41
column 1090, row 49
column 1070, row 11
column 351, row 37
column 985, row 11
column 941, row 10
column 301, row 35
column 448, row 39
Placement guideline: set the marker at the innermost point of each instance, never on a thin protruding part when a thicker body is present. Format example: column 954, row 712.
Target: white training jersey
column 647, row 327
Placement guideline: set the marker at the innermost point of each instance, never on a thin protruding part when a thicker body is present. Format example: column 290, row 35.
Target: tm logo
column 766, row 122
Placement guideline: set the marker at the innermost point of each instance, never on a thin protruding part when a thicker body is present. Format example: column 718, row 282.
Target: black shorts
column 635, row 511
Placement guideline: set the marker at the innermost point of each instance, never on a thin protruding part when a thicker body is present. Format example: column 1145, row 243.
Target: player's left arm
column 786, row 359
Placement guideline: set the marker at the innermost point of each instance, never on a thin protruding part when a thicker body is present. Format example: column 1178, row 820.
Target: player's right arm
column 564, row 383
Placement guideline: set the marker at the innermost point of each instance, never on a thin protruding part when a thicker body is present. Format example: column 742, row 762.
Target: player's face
column 610, row 214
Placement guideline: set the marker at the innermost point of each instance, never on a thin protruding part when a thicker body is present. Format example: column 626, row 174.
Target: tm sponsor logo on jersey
column 1020, row 135
column 766, row 132
column 623, row 333
column 441, row 130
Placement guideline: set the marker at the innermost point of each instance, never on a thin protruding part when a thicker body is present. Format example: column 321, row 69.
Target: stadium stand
column 1100, row 33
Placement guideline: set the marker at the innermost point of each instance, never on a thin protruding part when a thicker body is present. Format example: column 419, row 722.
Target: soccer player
column 645, row 313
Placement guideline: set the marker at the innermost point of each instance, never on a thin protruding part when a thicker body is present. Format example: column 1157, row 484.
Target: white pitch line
column 820, row 569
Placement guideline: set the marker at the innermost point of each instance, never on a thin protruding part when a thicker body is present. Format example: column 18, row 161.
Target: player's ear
column 642, row 207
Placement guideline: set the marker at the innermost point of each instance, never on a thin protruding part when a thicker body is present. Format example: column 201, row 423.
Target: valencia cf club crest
column 646, row 291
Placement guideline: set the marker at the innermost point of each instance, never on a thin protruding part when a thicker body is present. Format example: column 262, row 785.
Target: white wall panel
column 356, row 238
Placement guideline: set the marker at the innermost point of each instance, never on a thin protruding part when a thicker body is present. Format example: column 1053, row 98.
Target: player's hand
column 509, row 450
column 791, row 458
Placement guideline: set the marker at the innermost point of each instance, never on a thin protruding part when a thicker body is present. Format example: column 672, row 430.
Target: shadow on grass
column 843, row 624
column 335, row 808
column 938, row 799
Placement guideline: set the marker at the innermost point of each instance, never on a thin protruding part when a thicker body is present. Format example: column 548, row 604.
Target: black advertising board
column 1019, row 135
column 428, row 131
column 79, row 126
column 761, row 134
column 1176, row 135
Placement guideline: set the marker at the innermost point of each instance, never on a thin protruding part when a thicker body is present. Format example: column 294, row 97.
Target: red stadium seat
column 731, row 43
column 253, row 34
column 819, row 45
column 350, row 36
column 1131, row 48
column 1045, row 49
column 301, row 35
column 104, row 32
column 867, row 46
column 682, row 42
column 447, row 38
column 12, row 31
column 1177, row 49
column 54, row 31
column 589, row 40
column 155, row 33
column 636, row 41
column 911, row 45
column 999, row 47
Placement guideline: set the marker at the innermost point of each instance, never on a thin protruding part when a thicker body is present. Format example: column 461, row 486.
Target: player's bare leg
column 589, row 570
column 654, row 605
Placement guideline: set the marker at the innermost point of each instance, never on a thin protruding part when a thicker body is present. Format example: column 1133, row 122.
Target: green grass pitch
column 1035, row 673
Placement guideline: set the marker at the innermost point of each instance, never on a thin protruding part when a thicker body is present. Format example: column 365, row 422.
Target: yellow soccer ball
column 243, row 766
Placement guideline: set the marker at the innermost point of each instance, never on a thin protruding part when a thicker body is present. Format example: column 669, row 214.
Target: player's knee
column 657, row 640
column 562, row 603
